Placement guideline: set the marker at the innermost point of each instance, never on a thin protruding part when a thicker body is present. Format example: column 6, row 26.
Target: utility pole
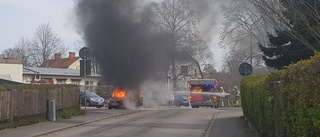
column 251, row 40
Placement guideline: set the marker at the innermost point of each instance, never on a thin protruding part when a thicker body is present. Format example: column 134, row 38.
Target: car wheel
column 88, row 104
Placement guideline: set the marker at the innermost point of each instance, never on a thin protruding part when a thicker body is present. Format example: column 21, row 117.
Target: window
column 184, row 70
column 61, row 81
column 90, row 83
column 75, row 81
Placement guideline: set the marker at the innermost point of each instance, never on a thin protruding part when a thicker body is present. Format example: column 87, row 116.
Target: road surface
column 167, row 122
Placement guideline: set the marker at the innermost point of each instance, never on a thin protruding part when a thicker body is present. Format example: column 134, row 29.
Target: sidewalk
column 44, row 128
column 228, row 122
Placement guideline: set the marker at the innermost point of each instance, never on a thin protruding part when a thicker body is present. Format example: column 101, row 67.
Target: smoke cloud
column 119, row 33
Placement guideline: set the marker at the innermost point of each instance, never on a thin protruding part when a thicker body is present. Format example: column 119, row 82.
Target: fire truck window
column 205, row 88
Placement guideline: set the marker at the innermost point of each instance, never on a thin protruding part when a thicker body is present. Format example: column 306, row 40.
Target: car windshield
column 91, row 94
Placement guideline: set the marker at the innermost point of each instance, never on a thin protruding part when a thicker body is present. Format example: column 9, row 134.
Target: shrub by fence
column 26, row 100
column 257, row 104
column 289, row 98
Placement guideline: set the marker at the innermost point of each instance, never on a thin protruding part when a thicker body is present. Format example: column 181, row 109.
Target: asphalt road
column 166, row 122
column 162, row 122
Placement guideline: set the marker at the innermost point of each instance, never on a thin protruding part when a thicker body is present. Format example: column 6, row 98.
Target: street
column 160, row 122
column 177, row 122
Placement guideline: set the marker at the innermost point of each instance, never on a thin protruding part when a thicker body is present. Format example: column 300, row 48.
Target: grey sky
column 21, row 18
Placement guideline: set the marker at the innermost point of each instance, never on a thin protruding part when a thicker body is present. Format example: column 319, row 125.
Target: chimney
column 72, row 55
column 57, row 56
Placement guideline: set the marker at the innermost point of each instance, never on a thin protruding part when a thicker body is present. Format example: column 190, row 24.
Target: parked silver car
column 91, row 99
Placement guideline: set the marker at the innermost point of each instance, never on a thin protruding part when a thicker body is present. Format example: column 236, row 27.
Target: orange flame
column 117, row 93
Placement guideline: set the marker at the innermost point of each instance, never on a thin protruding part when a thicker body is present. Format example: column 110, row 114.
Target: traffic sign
column 85, row 53
column 85, row 69
column 245, row 69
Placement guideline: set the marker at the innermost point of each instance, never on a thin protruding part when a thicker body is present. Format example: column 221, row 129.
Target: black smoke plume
column 119, row 33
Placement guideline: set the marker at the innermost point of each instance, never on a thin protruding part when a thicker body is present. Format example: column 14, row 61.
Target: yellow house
column 72, row 62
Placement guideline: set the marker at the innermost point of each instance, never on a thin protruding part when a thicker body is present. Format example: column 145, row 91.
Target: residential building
column 11, row 70
column 187, row 68
column 72, row 62
column 58, row 76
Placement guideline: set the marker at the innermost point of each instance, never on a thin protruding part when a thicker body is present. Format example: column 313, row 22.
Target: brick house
column 72, row 62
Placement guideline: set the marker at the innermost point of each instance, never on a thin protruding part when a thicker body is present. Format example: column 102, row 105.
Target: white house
column 58, row 76
column 11, row 70
column 187, row 68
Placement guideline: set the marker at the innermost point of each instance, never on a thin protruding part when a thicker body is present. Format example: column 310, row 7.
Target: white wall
column 11, row 72
column 68, row 79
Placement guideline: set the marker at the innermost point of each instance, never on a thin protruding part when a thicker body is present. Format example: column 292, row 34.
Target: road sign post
column 85, row 54
column 245, row 69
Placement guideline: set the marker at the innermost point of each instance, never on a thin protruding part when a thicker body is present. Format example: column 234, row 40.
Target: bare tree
column 303, row 12
column 179, row 19
column 96, row 66
column 243, row 29
column 21, row 51
column 209, row 72
column 45, row 44
column 78, row 44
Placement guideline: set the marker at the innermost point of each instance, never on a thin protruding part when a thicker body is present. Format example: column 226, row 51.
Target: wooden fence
column 34, row 102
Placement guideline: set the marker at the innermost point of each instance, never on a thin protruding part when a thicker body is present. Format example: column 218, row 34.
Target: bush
column 299, row 100
column 68, row 113
column 2, row 88
column 257, row 104
column 22, row 121
column 34, row 87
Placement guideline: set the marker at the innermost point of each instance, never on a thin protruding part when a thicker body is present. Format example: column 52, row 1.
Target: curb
column 83, row 123
column 211, row 124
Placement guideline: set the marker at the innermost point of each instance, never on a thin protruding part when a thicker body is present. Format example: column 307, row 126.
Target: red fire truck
column 202, row 93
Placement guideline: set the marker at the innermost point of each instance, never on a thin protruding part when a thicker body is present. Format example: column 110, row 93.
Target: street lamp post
column 251, row 39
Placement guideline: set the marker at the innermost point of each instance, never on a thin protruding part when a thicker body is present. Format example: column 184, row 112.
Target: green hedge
column 257, row 104
column 299, row 97
column 33, row 87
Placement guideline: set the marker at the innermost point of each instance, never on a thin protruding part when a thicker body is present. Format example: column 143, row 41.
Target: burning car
column 115, row 103
column 121, row 99
column 117, row 99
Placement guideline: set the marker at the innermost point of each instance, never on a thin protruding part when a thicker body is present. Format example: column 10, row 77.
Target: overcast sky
column 21, row 18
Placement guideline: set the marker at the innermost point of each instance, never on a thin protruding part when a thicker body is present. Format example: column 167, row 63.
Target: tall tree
column 284, row 50
column 45, row 44
column 96, row 66
column 179, row 19
column 289, row 14
column 21, row 51
column 242, row 29
column 299, row 41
